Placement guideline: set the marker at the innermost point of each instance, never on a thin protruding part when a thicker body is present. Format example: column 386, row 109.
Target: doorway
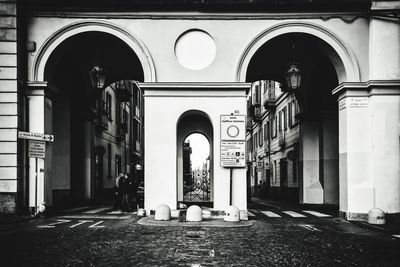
column 283, row 178
column 195, row 159
column 99, row 166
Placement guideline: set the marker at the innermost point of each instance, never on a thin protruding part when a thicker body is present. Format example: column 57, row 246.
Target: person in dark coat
column 118, row 191
column 126, row 184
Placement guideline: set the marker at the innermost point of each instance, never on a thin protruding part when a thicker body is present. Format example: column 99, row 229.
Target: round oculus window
column 195, row 49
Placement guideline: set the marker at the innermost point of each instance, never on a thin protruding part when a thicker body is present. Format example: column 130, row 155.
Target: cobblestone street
column 100, row 237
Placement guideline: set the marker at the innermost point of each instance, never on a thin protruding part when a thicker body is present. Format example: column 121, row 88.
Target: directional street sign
column 36, row 136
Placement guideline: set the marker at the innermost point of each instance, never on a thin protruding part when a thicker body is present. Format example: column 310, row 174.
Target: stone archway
column 78, row 115
column 315, row 132
column 190, row 122
column 339, row 53
column 138, row 47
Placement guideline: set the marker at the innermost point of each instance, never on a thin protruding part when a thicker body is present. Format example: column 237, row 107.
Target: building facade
column 341, row 148
column 273, row 143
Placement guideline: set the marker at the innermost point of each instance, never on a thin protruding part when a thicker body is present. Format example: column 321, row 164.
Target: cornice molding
column 368, row 88
column 347, row 17
column 199, row 86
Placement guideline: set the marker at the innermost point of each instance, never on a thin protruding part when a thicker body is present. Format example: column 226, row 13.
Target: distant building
column 273, row 144
column 197, row 177
column 187, row 165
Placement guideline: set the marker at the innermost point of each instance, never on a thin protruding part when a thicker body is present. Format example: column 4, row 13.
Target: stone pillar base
column 353, row 216
column 8, row 203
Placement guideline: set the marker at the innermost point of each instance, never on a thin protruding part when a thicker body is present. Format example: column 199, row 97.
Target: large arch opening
column 301, row 132
column 195, row 172
column 91, row 127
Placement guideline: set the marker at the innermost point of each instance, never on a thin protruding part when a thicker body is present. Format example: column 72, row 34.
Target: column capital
column 368, row 88
column 385, row 5
column 40, row 89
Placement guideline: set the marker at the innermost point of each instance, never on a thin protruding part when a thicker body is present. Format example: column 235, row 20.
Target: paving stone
column 265, row 243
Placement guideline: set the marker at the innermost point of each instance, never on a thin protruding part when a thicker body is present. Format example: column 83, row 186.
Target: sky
column 200, row 149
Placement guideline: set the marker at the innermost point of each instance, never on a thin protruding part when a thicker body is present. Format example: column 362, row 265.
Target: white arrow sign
column 36, row 136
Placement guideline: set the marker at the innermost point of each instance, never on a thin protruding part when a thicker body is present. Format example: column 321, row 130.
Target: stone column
column 87, row 160
column 369, row 129
column 369, row 148
column 39, row 96
column 330, row 161
column 312, row 191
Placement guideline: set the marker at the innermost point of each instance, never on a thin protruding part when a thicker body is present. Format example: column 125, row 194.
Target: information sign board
column 233, row 127
column 233, row 154
column 37, row 149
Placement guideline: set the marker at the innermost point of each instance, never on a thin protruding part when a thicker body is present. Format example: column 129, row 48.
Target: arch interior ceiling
column 74, row 58
column 319, row 77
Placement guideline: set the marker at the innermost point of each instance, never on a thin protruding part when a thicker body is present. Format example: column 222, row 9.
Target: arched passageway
column 195, row 172
column 300, row 133
column 92, row 127
column 196, row 169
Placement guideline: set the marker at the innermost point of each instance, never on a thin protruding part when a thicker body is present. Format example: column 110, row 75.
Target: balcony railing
column 122, row 130
column 269, row 98
column 123, row 91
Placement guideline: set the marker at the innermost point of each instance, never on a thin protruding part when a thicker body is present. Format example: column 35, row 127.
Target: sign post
column 233, row 145
column 36, row 150
column 36, row 136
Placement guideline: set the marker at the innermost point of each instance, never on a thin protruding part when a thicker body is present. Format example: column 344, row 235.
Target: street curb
column 18, row 220
column 371, row 227
column 149, row 221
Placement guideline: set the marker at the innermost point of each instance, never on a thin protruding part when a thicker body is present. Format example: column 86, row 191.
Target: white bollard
column 163, row 213
column 232, row 214
column 194, row 214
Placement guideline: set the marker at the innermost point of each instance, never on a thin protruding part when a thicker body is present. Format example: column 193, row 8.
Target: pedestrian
column 117, row 191
column 132, row 190
column 125, row 188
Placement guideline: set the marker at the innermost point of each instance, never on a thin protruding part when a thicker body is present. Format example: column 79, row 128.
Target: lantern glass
column 293, row 76
column 97, row 77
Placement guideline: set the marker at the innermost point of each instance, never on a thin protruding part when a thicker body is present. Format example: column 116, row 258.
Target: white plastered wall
column 162, row 113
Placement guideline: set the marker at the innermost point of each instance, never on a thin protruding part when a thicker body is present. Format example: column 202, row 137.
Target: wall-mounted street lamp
column 293, row 77
column 97, row 77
